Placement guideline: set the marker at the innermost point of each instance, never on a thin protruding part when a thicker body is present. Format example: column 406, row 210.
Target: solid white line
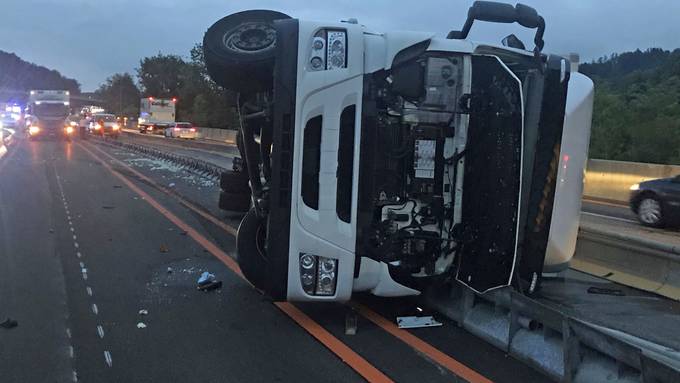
column 95, row 310
column 89, row 290
column 609, row 217
column 100, row 331
column 107, row 357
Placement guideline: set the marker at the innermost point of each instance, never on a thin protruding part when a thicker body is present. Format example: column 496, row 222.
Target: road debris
column 143, row 312
column 172, row 184
column 605, row 291
column 163, row 249
column 109, row 207
column 9, row 323
column 207, row 282
column 51, row 230
column 417, row 322
column 141, row 325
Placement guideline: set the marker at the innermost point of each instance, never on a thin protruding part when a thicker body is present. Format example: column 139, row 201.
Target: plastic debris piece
column 212, row 285
column 172, row 184
column 143, row 312
column 141, row 325
column 51, row 230
column 163, row 249
column 169, row 270
column 9, row 323
column 417, row 322
column 205, row 278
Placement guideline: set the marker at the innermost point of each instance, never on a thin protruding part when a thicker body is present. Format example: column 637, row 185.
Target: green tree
column 120, row 94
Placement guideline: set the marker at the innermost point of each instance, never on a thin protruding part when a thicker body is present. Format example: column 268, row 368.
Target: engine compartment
column 440, row 170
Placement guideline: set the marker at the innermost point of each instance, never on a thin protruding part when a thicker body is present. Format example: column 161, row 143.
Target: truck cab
column 394, row 162
column 47, row 114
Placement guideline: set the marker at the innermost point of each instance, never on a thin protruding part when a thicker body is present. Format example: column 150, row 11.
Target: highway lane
column 82, row 252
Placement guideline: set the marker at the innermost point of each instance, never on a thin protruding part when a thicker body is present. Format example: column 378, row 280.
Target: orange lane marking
column 347, row 355
column 431, row 352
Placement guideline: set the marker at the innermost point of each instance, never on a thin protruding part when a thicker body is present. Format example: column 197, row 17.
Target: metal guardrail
column 565, row 348
column 637, row 262
column 203, row 168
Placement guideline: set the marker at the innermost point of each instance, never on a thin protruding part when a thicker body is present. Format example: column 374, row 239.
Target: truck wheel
column 239, row 50
column 250, row 248
column 234, row 182
column 238, row 202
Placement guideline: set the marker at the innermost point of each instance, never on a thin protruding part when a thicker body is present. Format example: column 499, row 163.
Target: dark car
column 657, row 202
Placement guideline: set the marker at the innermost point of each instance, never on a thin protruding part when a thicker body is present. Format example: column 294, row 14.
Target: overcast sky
column 91, row 39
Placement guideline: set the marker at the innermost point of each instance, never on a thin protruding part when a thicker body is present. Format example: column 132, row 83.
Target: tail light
column 192, row 129
column 176, row 129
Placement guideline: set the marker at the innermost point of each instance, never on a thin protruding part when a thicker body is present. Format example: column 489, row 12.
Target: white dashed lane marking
column 95, row 310
column 107, row 358
column 89, row 290
column 100, row 331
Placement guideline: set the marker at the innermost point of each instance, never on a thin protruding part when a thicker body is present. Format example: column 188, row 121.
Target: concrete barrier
column 221, row 135
column 611, row 180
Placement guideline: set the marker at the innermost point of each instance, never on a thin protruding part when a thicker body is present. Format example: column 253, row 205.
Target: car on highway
column 181, row 130
column 104, row 125
column 657, row 202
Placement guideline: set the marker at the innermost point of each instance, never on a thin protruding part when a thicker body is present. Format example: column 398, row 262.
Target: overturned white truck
column 389, row 162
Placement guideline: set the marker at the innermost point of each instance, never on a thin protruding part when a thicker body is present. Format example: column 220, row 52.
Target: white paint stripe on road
column 95, row 310
column 82, row 265
column 74, row 237
column 100, row 331
column 68, row 332
column 108, row 359
column 72, row 229
column 74, row 375
column 76, row 244
column 78, row 254
column 84, row 276
column 70, row 352
column 609, row 217
column 89, row 290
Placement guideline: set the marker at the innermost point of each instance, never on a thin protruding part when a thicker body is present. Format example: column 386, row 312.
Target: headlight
column 318, row 275
column 634, row 187
column 69, row 129
column 328, row 50
column 97, row 127
column 116, row 126
column 33, row 129
column 73, row 123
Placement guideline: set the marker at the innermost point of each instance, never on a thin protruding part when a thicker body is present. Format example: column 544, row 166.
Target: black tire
column 237, row 202
column 239, row 50
column 650, row 211
column 234, row 182
column 250, row 250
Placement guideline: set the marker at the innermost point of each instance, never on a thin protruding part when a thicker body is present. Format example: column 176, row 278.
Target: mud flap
column 492, row 177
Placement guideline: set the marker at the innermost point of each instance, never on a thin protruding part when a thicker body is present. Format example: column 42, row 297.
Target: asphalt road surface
column 90, row 235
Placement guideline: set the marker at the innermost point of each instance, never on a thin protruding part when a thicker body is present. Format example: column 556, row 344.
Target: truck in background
column 155, row 115
column 47, row 114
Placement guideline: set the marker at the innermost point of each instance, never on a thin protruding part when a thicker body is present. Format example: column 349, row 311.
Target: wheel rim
column 251, row 37
column 650, row 211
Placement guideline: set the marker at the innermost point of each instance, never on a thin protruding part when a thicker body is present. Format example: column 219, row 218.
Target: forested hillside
column 637, row 106
column 17, row 76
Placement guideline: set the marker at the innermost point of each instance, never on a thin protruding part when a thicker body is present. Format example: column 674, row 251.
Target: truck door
column 492, row 177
